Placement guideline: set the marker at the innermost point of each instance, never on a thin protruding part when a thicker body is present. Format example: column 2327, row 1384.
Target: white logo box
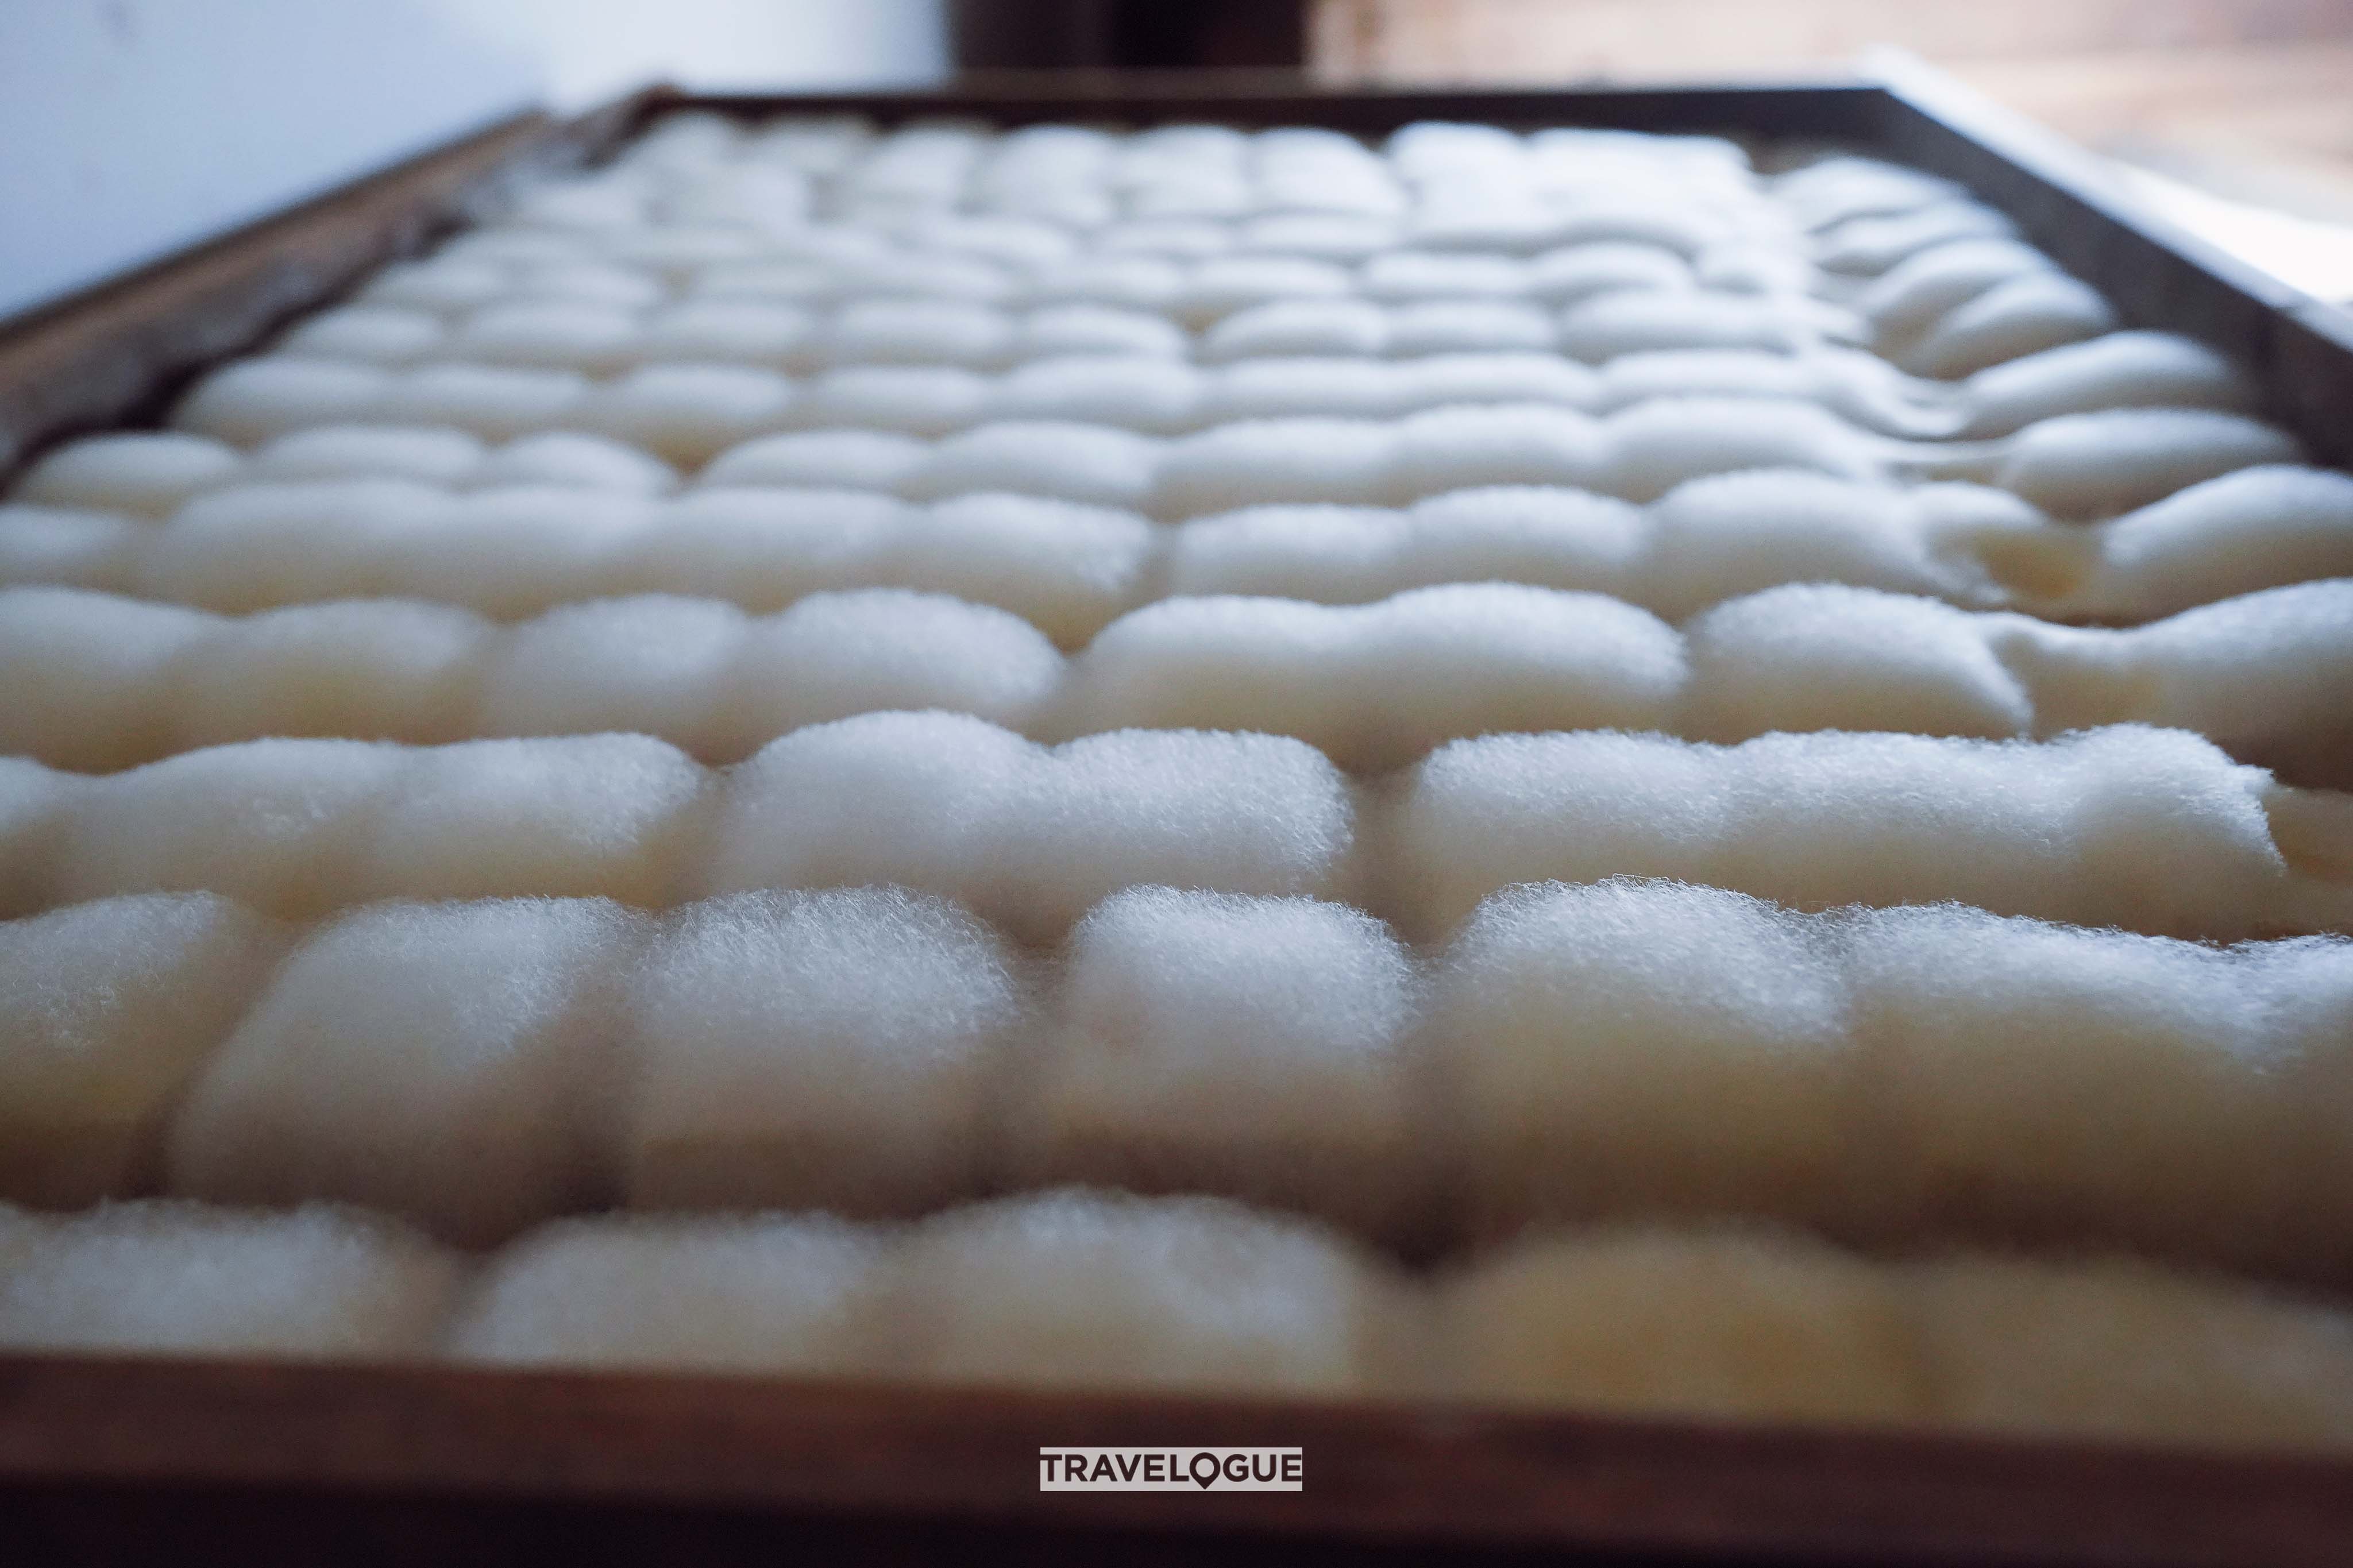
column 1172, row 1470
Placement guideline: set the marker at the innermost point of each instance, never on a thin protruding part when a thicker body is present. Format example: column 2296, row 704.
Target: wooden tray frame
column 107, row 1458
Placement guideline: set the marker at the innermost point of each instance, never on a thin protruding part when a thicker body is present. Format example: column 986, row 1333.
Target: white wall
column 130, row 128
column 589, row 50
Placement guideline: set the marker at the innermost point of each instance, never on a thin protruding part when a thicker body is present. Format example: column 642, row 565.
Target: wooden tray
column 124, row 1459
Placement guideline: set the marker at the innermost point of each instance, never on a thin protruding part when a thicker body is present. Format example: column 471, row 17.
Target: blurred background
column 2232, row 117
column 130, row 127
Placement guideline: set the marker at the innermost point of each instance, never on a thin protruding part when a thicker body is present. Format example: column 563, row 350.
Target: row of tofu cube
column 1619, row 1050
column 1080, row 1291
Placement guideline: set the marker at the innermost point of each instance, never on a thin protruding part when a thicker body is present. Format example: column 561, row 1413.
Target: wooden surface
column 1831, row 106
column 1373, row 1472
column 1557, row 40
column 102, row 1460
column 2243, row 107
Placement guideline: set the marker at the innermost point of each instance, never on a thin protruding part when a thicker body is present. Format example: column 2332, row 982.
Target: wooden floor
column 2220, row 105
